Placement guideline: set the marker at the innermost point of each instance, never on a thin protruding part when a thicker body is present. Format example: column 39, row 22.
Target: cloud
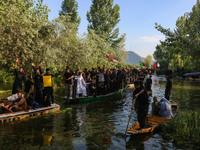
column 152, row 39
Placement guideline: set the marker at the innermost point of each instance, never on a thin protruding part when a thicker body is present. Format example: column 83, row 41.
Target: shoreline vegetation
column 184, row 130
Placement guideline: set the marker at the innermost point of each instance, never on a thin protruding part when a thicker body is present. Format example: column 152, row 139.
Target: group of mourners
column 38, row 88
column 34, row 94
column 100, row 81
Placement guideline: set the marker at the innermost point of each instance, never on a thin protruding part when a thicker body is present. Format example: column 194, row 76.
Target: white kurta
column 81, row 86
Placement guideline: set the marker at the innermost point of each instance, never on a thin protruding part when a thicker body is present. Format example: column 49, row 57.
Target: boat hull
column 100, row 97
column 11, row 117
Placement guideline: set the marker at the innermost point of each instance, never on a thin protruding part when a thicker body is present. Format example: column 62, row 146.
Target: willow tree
column 70, row 10
column 21, row 23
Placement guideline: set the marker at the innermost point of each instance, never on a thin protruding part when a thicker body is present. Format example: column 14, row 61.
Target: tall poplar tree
column 69, row 9
column 103, row 18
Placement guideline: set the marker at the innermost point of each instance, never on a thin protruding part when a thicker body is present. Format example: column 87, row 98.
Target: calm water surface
column 95, row 125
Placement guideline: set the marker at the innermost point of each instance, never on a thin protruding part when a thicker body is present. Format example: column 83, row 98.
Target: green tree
column 69, row 9
column 20, row 36
column 181, row 46
column 148, row 61
column 103, row 18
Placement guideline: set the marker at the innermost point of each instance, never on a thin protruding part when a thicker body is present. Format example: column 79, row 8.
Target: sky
column 137, row 19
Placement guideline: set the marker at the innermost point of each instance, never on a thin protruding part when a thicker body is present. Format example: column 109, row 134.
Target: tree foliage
column 103, row 17
column 27, row 34
column 69, row 9
column 181, row 46
column 148, row 60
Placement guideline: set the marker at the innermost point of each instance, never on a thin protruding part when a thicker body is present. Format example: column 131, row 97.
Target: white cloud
column 152, row 39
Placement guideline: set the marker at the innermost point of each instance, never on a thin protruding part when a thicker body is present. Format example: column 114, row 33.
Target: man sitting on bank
column 18, row 103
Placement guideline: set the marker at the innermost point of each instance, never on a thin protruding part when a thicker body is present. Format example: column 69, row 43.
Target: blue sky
column 137, row 19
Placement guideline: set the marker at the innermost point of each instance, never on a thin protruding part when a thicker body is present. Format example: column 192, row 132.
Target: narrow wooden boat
column 100, row 97
column 151, row 123
column 11, row 117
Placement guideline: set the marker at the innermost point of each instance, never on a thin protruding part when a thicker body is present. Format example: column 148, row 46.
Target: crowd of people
column 38, row 87
column 101, row 81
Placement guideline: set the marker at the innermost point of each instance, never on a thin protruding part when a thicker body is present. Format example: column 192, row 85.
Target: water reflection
column 95, row 125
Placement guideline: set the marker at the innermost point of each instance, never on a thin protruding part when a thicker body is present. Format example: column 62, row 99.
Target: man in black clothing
column 148, row 84
column 93, row 87
column 168, row 87
column 112, row 80
column 27, row 86
column 75, row 80
column 141, row 97
column 38, row 79
column 68, row 80
column 19, row 77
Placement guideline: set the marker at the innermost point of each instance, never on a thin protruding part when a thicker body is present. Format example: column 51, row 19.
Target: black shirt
column 67, row 76
column 142, row 98
column 28, row 85
column 19, row 77
column 75, row 79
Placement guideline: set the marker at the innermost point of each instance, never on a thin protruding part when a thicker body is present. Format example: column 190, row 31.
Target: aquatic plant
column 184, row 129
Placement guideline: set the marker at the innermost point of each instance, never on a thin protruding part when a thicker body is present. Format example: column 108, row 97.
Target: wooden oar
column 130, row 115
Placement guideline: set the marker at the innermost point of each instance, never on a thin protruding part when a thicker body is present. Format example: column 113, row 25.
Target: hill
column 133, row 58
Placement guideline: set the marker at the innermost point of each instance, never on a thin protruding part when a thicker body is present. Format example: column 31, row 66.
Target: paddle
column 130, row 115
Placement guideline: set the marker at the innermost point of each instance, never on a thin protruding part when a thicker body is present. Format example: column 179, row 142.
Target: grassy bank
column 184, row 130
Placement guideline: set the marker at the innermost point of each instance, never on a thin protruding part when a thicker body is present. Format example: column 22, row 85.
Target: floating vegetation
column 186, row 87
column 184, row 129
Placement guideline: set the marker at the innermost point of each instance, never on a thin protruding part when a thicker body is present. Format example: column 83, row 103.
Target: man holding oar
column 141, row 96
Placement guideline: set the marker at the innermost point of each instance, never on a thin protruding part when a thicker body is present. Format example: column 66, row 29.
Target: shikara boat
column 100, row 97
column 151, row 123
column 11, row 117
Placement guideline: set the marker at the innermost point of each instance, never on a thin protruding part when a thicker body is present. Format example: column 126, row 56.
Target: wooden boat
column 11, row 117
column 151, row 123
column 100, row 97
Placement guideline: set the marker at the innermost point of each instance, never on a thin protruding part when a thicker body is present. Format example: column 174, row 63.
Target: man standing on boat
column 168, row 87
column 38, row 80
column 68, row 80
column 140, row 94
column 48, row 87
column 19, row 77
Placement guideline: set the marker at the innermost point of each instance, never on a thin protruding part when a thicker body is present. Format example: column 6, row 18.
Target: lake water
column 95, row 125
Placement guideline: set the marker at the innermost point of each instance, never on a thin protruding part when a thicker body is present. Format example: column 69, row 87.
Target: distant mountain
column 133, row 58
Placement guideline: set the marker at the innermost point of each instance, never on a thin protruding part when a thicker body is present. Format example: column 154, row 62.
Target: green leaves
column 69, row 9
column 181, row 46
